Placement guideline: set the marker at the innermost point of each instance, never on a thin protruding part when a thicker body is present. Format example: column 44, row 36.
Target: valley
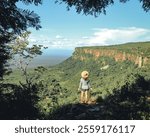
column 119, row 75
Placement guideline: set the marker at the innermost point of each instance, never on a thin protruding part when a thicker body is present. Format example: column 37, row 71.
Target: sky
column 65, row 30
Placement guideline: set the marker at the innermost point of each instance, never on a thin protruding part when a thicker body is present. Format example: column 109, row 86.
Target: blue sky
column 62, row 29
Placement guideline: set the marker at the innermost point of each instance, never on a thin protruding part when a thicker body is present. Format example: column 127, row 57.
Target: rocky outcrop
column 80, row 112
column 117, row 54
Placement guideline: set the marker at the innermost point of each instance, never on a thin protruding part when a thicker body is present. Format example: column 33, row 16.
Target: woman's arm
column 89, row 85
column 80, row 85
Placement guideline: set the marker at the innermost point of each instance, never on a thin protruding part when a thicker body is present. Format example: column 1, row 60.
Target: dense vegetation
column 52, row 92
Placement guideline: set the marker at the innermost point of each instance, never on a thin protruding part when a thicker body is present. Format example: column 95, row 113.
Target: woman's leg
column 82, row 99
column 87, row 96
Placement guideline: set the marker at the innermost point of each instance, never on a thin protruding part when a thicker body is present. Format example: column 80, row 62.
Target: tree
column 23, row 54
column 13, row 21
column 4, row 55
column 96, row 7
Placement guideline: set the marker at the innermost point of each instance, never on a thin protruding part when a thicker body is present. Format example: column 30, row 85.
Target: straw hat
column 85, row 74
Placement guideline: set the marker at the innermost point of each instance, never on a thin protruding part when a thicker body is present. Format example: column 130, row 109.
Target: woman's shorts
column 84, row 90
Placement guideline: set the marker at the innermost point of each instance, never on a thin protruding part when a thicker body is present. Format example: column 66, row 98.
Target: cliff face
column 119, row 54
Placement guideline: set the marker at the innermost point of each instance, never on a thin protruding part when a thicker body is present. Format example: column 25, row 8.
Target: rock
column 81, row 116
column 94, row 109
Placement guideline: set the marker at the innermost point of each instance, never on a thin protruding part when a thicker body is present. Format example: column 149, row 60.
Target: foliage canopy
column 96, row 7
column 14, row 20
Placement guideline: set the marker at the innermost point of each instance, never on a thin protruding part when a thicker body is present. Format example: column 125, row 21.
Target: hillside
column 113, row 70
column 119, row 75
column 113, row 64
column 135, row 52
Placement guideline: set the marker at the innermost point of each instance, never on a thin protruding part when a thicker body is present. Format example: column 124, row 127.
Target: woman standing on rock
column 84, row 87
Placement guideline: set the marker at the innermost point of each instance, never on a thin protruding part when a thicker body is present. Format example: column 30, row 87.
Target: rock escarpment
column 134, row 52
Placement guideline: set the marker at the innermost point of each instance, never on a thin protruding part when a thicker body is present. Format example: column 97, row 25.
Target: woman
column 84, row 87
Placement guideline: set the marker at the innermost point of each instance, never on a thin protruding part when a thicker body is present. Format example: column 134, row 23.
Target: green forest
column 120, row 89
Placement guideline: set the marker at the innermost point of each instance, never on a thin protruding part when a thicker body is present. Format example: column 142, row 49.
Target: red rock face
column 116, row 54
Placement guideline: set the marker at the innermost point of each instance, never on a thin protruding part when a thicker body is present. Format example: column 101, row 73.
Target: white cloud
column 107, row 36
column 100, row 37
column 32, row 40
column 59, row 37
column 51, row 42
column 85, row 37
